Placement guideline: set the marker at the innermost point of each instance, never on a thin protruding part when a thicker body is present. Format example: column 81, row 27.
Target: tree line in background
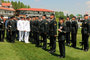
column 61, row 14
column 17, row 4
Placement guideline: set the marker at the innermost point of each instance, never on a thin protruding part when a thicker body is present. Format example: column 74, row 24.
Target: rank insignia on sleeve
column 46, row 23
column 54, row 24
column 89, row 23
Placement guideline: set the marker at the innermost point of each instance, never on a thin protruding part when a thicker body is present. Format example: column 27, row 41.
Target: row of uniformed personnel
column 48, row 28
column 44, row 28
column 72, row 27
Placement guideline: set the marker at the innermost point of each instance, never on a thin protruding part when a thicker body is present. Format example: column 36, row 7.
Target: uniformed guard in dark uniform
column 44, row 29
column 52, row 33
column 61, row 37
column 12, row 29
column 85, row 32
column 74, row 28
column 32, row 29
column 6, row 21
column 17, row 32
column 89, row 26
column 68, row 29
column 36, row 26
column 2, row 29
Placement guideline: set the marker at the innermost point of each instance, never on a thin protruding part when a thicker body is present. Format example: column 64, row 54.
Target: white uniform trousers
column 26, row 37
column 21, row 35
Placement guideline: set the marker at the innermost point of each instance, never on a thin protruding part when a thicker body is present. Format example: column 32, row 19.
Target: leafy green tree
column 57, row 14
column 17, row 5
column 60, row 14
column 2, row 0
column 71, row 15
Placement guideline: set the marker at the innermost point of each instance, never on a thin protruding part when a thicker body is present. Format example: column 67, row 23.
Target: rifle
column 82, row 44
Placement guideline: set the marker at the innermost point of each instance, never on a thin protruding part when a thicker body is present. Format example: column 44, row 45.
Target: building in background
column 6, row 9
column 33, row 12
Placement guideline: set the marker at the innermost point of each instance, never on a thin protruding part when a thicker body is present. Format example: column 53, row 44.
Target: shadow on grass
column 66, row 58
column 54, row 54
column 79, row 48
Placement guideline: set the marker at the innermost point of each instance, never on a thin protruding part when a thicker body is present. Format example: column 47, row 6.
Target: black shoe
column 1, row 41
column 53, row 51
column 86, row 50
column 74, row 47
column 61, row 56
column 37, row 46
column 50, row 51
column 12, row 41
column 67, row 44
column 44, row 48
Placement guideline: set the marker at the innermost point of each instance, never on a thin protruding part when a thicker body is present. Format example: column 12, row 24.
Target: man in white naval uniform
column 27, row 31
column 20, row 27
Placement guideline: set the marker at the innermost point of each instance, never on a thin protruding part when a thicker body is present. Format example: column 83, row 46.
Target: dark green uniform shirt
column 44, row 26
column 62, row 35
column 53, row 27
column 68, row 26
column 89, row 26
column 85, row 27
column 31, row 24
column 36, row 25
column 12, row 25
column 74, row 27
column 2, row 24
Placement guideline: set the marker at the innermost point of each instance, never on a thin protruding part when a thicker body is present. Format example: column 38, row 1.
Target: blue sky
column 67, row 6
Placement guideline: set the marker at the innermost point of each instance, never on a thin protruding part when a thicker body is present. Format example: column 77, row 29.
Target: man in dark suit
column 12, row 26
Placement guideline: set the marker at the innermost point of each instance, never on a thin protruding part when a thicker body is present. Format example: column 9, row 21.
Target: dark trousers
column 44, row 36
column 68, row 38
column 37, row 38
column 1, row 36
column 31, row 36
column 52, row 43
column 34, row 37
column 73, row 39
column 62, row 48
column 85, row 41
column 7, row 35
column 17, row 34
column 12, row 36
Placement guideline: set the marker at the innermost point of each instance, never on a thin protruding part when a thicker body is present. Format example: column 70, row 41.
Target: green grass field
column 22, row 51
